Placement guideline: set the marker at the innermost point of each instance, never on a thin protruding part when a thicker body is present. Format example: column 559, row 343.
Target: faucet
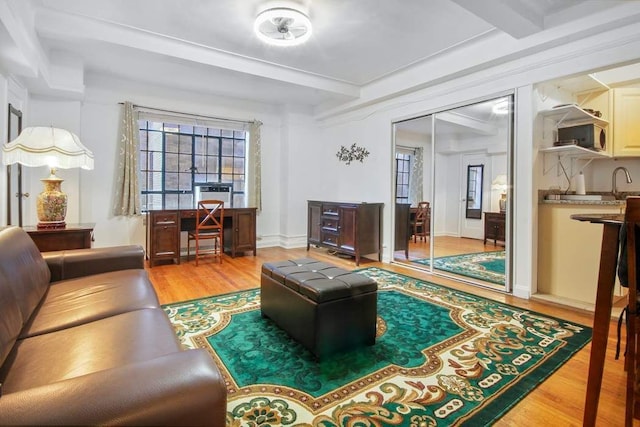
column 614, row 190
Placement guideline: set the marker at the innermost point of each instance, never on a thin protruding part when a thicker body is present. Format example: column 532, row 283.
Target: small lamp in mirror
column 500, row 184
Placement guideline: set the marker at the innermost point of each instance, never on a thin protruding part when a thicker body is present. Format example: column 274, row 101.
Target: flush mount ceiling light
column 282, row 26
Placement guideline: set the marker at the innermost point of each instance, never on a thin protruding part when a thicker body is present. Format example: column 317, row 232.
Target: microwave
column 591, row 136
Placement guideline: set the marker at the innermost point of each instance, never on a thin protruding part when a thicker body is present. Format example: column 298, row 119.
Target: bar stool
column 628, row 274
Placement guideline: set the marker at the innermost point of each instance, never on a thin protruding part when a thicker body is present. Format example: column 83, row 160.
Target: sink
column 586, row 197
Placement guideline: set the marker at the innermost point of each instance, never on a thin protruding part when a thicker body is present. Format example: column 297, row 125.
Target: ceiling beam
column 514, row 17
column 22, row 47
column 65, row 26
column 477, row 126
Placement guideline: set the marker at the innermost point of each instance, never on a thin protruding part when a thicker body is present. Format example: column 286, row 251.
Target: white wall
column 300, row 174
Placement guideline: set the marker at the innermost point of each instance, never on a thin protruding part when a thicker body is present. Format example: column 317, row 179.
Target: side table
column 73, row 236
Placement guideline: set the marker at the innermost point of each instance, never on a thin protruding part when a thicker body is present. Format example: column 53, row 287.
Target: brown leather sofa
column 83, row 341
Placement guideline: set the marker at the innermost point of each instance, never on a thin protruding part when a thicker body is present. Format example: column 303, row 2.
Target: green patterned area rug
column 442, row 357
column 487, row 266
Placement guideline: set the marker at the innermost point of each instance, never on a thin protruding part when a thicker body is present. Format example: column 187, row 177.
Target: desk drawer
column 164, row 218
column 188, row 214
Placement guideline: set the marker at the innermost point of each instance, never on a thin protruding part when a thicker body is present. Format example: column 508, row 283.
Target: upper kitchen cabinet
column 626, row 126
column 621, row 107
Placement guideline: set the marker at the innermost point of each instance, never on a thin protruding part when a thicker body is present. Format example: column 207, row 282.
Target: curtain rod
column 189, row 114
column 406, row 147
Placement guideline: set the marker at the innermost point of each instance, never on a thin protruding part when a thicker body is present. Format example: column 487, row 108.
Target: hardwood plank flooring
column 559, row 401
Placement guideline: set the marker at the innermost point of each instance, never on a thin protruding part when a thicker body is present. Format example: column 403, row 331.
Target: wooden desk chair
column 422, row 222
column 628, row 274
column 209, row 226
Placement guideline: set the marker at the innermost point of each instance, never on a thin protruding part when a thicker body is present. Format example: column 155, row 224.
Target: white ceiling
column 208, row 46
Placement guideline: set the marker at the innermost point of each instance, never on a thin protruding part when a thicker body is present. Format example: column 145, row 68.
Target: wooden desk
column 164, row 227
column 604, row 301
column 73, row 236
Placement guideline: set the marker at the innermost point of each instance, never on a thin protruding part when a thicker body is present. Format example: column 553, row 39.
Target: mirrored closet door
column 452, row 213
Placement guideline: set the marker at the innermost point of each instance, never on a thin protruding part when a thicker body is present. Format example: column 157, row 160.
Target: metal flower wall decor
column 352, row 153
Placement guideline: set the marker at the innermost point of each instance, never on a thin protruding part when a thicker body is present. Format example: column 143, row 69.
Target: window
column 174, row 158
column 403, row 167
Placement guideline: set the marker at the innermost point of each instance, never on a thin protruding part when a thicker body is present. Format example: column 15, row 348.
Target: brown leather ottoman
column 326, row 308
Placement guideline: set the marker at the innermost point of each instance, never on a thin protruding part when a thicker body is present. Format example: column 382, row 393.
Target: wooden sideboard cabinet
column 72, row 236
column 164, row 227
column 349, row 228
column 494, row 227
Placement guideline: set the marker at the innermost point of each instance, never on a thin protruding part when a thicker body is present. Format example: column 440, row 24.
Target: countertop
column 620, row 202
column 584, row 202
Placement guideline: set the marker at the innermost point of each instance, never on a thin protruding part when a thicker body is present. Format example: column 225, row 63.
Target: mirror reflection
column 474, row 191
column 452, row 192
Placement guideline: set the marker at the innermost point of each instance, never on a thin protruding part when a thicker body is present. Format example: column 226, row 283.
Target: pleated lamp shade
column 47, row 146
column 56, row 148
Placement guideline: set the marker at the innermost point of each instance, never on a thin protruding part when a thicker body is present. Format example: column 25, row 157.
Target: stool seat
column 319, row 281
column 326, row 308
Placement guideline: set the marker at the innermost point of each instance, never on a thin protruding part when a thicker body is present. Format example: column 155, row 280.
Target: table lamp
column 500, row 183
column 55, row 148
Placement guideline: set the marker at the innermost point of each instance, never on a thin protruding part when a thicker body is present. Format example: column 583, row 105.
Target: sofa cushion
column 73, row 302
column 24, row 278
column 23, row 266
column 112, row 342
column 74, row 263
column 10, row 318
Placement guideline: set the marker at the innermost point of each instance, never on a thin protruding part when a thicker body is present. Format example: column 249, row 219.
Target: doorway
column 457, row 161
column 14, row 172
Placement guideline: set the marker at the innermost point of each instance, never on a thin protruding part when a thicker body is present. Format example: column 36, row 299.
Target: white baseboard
column 282, row 241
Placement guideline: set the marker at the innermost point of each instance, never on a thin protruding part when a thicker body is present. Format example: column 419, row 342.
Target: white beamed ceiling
column 360, row 51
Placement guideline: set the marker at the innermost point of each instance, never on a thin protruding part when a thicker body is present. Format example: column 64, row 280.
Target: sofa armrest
column 84, row 262
column 183, row 388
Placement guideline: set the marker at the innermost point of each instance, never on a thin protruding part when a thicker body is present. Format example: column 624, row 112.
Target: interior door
column 14, row 172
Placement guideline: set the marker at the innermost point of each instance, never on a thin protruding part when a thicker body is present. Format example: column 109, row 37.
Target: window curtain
column 255, row 166
column 416, row 178
column 127, row 191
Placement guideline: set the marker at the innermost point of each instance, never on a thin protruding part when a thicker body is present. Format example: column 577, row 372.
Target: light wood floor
column 559, row 401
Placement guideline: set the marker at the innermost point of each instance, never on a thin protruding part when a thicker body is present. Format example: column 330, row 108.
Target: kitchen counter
column 620, row 203
column 569, row 251
column 595, row 203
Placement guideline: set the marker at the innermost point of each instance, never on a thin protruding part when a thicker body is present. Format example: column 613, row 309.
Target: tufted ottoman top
column 319, row 281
